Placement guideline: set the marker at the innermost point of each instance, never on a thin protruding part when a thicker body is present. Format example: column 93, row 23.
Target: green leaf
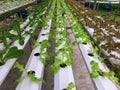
column 34, row 78
column 70, row 86
column 13, row 52
column 13, row 37
column 2, row 52
column 77, row 35
column 3, row 37
column 94, row 74
column 60, row 41
column 21, row 40
column 36, row 44
column 75, row 42
column 20, row 79
column 54, row 68
column 45, row 44
column 16, row 26
column 20, row 67
column 34, row 36
column 1, row 56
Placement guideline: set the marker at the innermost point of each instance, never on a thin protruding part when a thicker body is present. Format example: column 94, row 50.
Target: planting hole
column 64, row 89
column 43, row 34
column 40, row 42
column 84, row 43
column 62, row 49
column 36, row 54
column 63, row 65
column 31, row 72
column 90, row 54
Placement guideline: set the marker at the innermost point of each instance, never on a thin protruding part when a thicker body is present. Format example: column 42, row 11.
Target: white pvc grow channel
column 4, row 70
column 102, row 83
column 22, row 26
column 63, row 78
column 34, row 64
column 65, row 75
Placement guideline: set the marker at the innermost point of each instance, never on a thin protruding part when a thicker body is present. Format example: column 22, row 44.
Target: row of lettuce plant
column 105, row 35
column 62, row 45
column 83, row 38
column 7, row 38
column 15, row 50
column 77, row 27
column 42, row 43
column 63, row 51
column 14, row 32
column 106, row 44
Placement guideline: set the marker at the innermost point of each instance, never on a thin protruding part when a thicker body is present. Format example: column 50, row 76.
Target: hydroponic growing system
column 25, row 44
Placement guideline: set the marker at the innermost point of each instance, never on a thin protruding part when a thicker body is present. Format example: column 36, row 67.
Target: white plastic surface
column 63, row 77
column 34, row 64
column 102, row 83
column 4, row 69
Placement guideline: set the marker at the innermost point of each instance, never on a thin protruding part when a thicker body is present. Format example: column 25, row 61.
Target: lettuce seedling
column 70, row 86
column 16, row 27
column 30, row 74
column 10, row 53
column 96, row 72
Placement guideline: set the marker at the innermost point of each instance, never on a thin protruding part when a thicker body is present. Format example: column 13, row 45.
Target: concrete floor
column 80, row 71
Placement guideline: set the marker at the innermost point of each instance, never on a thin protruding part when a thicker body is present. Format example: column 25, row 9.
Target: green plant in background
column 39, row 16
column 30, row 74
column 76, row 27
column 16, row 27
column 3, row 37
column 98, row 24
column 10, row 53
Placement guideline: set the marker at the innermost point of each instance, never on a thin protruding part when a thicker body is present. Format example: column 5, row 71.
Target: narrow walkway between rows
column 80, row 71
